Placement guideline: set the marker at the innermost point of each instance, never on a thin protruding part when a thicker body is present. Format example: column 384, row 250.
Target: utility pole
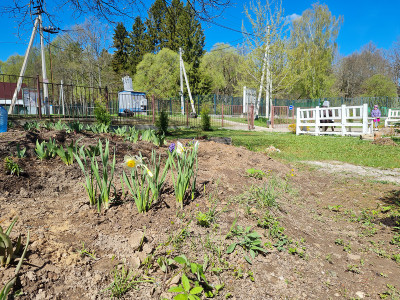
column 182, row 70
column 44, row 73
column 23, row 69
column 38, row 23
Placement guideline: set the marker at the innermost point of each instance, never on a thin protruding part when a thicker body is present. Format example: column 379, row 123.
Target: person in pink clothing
column 376, row 115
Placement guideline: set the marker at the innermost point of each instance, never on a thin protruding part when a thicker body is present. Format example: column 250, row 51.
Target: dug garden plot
column 255, row 228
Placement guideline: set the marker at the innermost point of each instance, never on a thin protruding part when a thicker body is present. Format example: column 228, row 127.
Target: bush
column 205, row 118
column 100, row 112
column 162, row 123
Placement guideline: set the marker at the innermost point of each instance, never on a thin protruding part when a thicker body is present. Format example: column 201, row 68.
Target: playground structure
column 342, row 120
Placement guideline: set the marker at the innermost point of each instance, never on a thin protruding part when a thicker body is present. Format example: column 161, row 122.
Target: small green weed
column 248, row 240
column 392, row 292
column 124, row 280
column 258, row 174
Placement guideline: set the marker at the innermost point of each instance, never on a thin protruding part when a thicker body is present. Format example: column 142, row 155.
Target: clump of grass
column 124, row 280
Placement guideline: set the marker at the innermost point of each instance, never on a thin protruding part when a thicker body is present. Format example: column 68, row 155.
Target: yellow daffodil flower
column 132, row 161
column 179, row 148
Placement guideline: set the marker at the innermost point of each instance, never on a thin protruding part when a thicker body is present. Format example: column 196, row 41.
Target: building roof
column 7, row 90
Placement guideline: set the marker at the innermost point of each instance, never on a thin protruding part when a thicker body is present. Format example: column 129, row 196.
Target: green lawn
column 305, row 147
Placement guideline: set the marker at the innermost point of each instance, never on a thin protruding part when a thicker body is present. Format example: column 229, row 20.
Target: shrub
column 100, row 112
column 162, row 123
column 205, row 118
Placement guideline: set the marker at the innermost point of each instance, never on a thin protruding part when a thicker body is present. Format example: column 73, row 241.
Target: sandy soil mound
column 317, row 241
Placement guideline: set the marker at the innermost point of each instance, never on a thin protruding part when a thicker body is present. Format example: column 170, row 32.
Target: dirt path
column 346, row 169
column 242, row 126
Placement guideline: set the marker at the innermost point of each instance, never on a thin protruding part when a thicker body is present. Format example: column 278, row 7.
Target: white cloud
column 293, row 17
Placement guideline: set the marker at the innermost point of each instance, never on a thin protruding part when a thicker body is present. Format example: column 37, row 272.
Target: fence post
column 344, row 119
column 106, row 95
column 187, row 112
column 222, row 114
column 365, row 118
column 39, row 100
column 272, row 115
column 153, row 109
column 297, row 120
column 317, row 121
column 215, row 105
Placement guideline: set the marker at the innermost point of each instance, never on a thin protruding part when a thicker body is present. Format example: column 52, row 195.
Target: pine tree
column 121, row 43
column 191, row 38
column 137, row 45
column 155, row 24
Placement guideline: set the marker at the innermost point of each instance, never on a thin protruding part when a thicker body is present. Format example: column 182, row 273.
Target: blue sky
column 364, row 21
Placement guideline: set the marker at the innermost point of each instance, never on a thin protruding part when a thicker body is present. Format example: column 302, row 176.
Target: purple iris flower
column 171, row 147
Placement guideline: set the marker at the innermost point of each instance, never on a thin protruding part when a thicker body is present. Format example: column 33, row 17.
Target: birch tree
column 266, row 57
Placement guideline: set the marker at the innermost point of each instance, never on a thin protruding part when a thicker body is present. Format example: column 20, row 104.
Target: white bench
column 349, row 120
column 393, row 117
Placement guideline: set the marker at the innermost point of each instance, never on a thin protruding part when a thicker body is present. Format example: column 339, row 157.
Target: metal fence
column 67, row 101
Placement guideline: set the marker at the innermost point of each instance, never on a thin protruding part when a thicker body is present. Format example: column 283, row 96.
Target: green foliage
column 249, row 240
column 186, row 291
column 313, row 39
column 98, row 181
column 158, row 178
column 101, row 113
column 20, row 152
column 34, row 125
column 124, row 280
column 193, row 279
column 132, row 135
column 67, row 155
column 139, row 187
column 220, row 69
column 258, row 174
column 379, row 86
column 306, row 147
column 119, row 61
column 162, row 123
column 98, row 128
column 275, row 231
column 75, row 127
column 121, row 131
column 87, row 168
column 60, row 126
column 186, row 168
column 156, row 66
column 207, row 218
column 12, row 167
column 205, row 118
column 7, row 253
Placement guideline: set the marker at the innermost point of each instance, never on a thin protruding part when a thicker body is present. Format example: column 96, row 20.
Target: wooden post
column 343, row 119
column 317, row 120
column 272, row 115
column 365, row 118
column 106, row 96
column 298, row 121
column 38, row 98
column 153, row 109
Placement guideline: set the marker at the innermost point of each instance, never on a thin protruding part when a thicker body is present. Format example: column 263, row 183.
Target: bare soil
column 342, row 226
